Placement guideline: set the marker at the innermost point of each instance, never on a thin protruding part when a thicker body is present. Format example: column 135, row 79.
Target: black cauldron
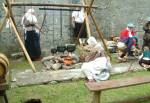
column 53, row 50
column 71, row 48
column 61, row 49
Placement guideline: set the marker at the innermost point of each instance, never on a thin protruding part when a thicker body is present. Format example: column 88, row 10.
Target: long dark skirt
column 32, row 44
column 146, row 39
column 146, row 42
column 77, row 28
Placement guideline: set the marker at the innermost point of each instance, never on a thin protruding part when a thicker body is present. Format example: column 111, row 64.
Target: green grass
column 22, row 64
column 74, row 91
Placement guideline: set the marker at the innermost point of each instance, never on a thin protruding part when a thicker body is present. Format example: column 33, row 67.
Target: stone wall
column 112, row 16
column 56, row 26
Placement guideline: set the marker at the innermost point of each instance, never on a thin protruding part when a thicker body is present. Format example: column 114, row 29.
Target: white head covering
column 92, row 41
column 31, row 10
column 31, row 18
column 130, row 25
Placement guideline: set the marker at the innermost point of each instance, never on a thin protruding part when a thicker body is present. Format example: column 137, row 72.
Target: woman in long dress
column 31, row 34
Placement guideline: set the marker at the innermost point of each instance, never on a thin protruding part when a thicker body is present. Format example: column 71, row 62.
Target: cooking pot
column 53, row 50
column 71, row 47
column 61, row 48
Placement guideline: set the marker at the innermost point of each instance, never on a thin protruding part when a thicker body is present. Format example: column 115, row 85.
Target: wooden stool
column 3, row 96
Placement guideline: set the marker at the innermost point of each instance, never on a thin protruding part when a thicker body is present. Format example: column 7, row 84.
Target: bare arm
column 38, row 27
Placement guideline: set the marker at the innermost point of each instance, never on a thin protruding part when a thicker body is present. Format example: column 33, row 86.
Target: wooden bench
column 98, row 87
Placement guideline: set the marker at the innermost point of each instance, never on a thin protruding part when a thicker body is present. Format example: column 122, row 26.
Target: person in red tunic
column 127, row 36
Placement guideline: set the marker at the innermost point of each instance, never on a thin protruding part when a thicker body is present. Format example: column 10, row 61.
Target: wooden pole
column 11, row 14
column 87, row 22
column 88, row 10
column 4, row 20
column 23, row 47
column 12, row 1
column 100, row 34
column 47, row 4
column 18, row 37
column 96, row 97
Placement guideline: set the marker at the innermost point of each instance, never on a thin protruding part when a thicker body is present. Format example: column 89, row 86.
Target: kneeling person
column 145, row 57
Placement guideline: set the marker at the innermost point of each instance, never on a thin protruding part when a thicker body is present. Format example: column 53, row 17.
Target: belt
column 29, row 25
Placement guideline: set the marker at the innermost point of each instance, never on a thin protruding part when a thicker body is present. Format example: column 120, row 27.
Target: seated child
column 145, row 57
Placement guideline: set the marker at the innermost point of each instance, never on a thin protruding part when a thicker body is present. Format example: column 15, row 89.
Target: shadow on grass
column 140, row 99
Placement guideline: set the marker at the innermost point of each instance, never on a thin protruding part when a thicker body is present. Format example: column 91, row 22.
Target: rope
column 61, row 26
column 53, row 27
